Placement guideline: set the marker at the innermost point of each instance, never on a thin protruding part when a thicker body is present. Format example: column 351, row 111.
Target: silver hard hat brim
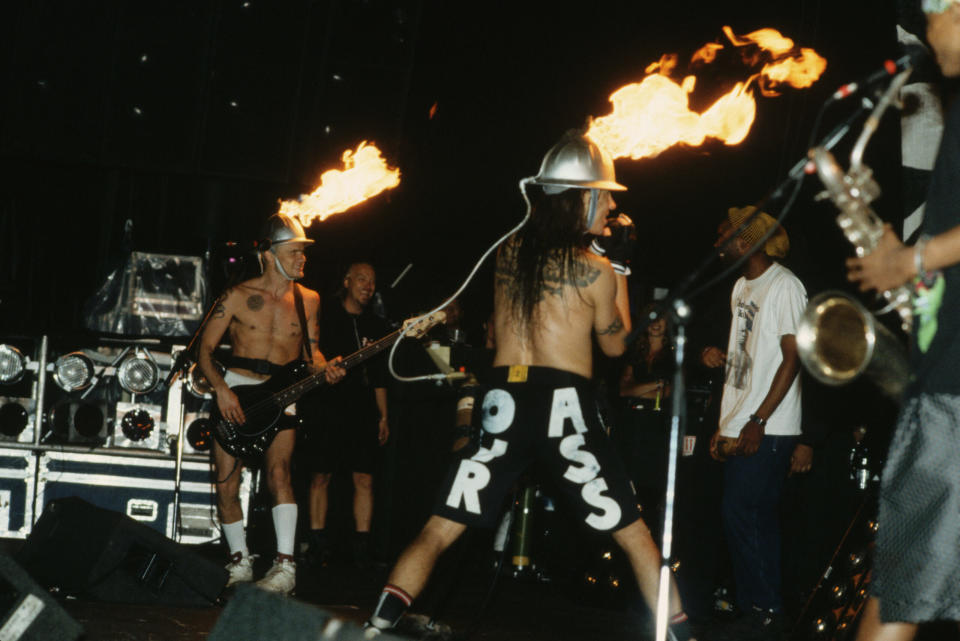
column 608, row 185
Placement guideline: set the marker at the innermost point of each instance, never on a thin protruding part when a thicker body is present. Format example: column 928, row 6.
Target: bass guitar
column 263, row 403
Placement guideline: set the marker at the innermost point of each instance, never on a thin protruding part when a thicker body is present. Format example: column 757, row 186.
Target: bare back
column 570, row 308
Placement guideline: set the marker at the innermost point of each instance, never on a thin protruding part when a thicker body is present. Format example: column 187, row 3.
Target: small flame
column 654, row 114
column 365, row 174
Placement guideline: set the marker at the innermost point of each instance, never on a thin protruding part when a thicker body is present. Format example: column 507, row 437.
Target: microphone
column 913, row 55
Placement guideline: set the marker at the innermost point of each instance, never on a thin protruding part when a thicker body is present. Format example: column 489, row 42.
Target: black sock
column 393, row 603
column 318, row 537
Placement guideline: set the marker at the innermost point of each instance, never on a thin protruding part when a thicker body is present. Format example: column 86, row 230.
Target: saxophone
column 838, row 338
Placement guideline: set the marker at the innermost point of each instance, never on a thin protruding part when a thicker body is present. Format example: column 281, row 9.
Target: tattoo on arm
column 219, row 311
column 612, row 328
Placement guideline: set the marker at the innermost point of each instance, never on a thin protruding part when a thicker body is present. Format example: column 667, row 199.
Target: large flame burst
column 364, row 175
column 654, row 114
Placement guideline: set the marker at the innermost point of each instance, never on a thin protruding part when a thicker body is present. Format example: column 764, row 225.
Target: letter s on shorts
column 610, row 517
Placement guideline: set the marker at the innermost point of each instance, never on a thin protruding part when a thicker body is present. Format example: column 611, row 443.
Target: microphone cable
column 439, row 377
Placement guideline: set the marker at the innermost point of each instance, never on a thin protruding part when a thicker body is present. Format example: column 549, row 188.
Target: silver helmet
column 284, row 229
column 576, row 162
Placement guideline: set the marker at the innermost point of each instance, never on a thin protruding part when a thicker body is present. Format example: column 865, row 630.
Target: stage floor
column 467, row 603
column 518, row 609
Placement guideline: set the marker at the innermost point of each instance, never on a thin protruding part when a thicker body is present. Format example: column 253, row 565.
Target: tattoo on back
column 555, row 277
column 255, row 302
column 612, row 328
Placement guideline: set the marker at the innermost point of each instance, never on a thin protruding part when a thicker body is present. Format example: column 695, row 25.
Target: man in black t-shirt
column 917, row 557
column 352, row 416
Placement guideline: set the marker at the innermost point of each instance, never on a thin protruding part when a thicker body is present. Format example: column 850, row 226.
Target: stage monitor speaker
column 85, row 550
column 27, row 613
column 253, row 614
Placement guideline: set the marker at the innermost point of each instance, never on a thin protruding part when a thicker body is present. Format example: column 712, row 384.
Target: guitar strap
column 298, row 299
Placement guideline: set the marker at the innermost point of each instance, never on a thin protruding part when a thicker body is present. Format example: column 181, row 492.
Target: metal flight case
column 141, row 487
column 18, row 468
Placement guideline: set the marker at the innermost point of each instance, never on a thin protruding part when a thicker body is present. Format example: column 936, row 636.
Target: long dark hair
column 552, row 239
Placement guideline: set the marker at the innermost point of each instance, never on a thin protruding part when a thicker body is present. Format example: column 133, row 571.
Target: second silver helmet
column 576, row 162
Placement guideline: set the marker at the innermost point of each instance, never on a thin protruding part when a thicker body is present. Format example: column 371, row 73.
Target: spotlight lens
column 137, row 424
column 13, row 419
column 73, row 371
column 12, row 364
column 199, row 435
column 138, row 374
column 88, row 420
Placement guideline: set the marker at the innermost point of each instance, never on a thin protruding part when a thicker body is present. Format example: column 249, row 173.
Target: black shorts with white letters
column 545, row 417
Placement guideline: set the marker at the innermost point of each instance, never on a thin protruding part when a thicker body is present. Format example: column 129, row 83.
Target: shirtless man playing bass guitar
column 266, row 331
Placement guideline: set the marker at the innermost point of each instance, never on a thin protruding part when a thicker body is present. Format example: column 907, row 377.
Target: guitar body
column 264, row 412
column 263, row 403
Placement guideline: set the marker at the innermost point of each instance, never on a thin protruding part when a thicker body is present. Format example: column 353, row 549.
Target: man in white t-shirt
column 759, row 426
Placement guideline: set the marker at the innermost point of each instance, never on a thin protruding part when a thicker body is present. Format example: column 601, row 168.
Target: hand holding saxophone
column 889, row 265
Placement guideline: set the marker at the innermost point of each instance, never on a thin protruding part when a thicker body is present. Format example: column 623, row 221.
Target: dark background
column 192, row 119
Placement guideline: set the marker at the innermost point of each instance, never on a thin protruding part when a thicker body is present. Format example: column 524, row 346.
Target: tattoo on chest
column 255, row 302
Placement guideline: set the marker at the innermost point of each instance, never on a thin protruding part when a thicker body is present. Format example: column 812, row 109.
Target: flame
column 707, row 53
column 654, row 114
column 365, row 174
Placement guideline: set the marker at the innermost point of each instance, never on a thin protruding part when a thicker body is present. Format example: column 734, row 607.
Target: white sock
column 285, row 525
column 236, row 538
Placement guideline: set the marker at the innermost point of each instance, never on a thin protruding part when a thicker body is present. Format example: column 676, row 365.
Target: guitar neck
column 290, row 394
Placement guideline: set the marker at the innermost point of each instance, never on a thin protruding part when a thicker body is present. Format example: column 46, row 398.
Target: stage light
column 137, row 425
column 79, row 422
column 12, row 364
column 73, row 371
column 88, row 420
column 138, row 373
column 199, row 434
column 13, row 419
column 197, row 384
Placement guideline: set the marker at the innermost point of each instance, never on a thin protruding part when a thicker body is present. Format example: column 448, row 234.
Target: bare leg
column 644, row 558
column 277, row 467
column 362, row 501
column 228, row 471
column 414, row 566
column 872, row 629
column 319, row 500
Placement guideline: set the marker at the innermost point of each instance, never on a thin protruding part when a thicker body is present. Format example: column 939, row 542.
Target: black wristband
column 762, row 422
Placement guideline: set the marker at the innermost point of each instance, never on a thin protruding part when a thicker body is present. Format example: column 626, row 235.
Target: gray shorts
column 917, row 566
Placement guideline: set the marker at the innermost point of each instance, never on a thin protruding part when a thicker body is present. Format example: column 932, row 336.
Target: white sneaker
column 281, row 578
column 240, row 569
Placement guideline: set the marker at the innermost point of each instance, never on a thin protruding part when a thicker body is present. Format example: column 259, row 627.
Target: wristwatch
column 762, row 422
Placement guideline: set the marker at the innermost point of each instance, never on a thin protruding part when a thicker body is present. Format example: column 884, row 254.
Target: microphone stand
column 678, row 310
column 178, row 370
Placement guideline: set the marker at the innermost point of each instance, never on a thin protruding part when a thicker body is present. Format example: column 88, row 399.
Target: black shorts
column 547, row 417
column 918, row 542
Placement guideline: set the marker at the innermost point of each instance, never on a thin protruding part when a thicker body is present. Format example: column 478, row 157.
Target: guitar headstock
column 417, row 327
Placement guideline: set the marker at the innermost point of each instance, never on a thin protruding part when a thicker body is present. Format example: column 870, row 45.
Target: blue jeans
column 751, row 520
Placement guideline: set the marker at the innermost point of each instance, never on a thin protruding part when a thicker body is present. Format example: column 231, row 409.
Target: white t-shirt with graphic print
column 764, row 309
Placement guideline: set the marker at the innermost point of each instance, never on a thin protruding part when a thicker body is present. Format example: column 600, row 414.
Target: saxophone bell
column 838, row 340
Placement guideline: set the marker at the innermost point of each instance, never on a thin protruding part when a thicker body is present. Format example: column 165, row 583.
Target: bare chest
column 267, row 326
